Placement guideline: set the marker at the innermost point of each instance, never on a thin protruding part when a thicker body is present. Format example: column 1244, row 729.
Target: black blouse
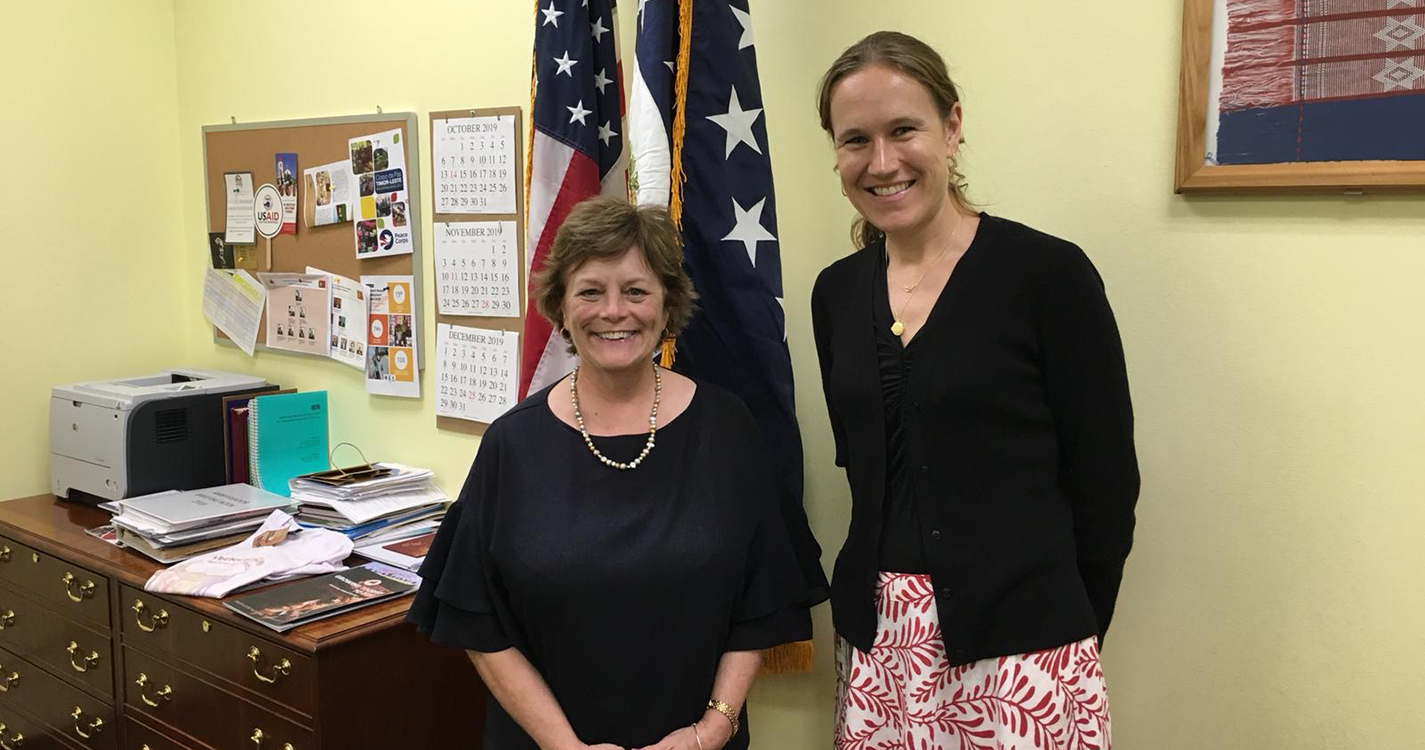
column 622, row 588
column 901, row 548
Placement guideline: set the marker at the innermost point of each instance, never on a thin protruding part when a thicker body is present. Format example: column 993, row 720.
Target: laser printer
column 113, row 439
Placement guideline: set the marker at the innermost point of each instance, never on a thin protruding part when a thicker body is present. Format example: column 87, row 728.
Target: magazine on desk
column 290, row 605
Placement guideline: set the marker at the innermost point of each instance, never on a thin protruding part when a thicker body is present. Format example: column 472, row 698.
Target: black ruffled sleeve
column 459, row 598
column 773, row 607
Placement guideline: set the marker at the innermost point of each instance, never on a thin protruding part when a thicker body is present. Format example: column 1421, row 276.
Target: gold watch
column 725, row 710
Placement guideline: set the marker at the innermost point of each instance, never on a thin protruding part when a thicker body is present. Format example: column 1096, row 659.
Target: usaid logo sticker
column 267, row 211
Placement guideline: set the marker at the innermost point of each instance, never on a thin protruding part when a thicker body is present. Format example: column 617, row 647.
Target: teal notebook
column 286, row 436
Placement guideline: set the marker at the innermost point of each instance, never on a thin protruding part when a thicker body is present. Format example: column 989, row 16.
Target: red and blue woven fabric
column 1322, row 80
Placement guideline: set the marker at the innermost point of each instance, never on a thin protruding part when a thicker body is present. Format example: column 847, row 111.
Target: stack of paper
column 172, row 526
column 401, row 504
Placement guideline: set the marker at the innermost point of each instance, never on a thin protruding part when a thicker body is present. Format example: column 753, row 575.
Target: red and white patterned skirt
column 905, row 694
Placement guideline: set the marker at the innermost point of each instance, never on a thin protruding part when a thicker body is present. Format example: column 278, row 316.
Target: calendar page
column 477, row 268
column 474, row 159
column 476, row 372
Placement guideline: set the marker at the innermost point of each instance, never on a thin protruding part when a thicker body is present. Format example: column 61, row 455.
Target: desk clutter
column 223, row 540
column 92, row 660
column 258, row 500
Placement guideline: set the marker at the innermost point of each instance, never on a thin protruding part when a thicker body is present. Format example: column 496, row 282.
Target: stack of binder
column 400, row 503
column 173, row 526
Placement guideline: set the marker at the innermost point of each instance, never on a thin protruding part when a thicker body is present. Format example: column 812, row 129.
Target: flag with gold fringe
column 698, row 140
column 576, row 150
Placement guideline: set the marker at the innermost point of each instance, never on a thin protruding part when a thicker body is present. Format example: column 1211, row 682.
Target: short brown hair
column 605, row 227
column 914, row 59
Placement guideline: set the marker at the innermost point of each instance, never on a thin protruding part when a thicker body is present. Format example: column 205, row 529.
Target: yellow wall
column 1273, row 598
column 92, row 239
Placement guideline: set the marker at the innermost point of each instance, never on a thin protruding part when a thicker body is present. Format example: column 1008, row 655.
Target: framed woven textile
column 1302, row 95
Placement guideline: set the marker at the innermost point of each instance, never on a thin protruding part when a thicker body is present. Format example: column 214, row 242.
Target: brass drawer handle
column 7, row 619
column 159, row 620
column 257, row 738
column 96, row 724
column 8, row 681
column 163, row 695
column 5, row 553
column 17, row 741
column 85, row 590
column 86, row 662
column 279, row 670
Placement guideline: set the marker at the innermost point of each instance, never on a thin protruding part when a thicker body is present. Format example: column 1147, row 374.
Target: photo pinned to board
column 286, row 168
column 298, row 306
column 347, row 319
column 328, row 191
column 378, row 163
column 390, row 344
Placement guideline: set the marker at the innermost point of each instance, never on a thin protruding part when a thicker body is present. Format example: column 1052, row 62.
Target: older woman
column 617, row 559
column 979, row 401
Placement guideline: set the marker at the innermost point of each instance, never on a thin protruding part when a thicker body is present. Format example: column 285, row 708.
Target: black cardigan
column 1022, row 431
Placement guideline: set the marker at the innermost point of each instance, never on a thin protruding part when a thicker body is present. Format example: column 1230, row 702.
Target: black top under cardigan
column 1020, row 430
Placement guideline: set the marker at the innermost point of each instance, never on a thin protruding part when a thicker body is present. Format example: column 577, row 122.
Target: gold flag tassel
column 680, row 111
column 669, row 353
column 788, row 658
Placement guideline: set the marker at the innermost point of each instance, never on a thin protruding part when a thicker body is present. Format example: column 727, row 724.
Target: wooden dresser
column 88, row 659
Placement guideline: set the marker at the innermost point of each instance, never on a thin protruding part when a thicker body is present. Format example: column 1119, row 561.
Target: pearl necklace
column 652, row 423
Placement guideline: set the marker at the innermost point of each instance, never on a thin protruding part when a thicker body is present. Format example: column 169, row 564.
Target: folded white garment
column 220, row 572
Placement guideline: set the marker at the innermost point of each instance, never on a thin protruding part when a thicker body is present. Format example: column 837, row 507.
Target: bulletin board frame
column 515, row 324
column 252, row 147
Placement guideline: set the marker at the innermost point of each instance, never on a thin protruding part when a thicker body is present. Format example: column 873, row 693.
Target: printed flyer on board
column 298, row 309
column 379, row 203
column 348, row 319
column 327, row 194
column 391, row 337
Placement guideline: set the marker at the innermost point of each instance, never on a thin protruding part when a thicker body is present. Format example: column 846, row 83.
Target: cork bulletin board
column 251, row 147
column 443, row 213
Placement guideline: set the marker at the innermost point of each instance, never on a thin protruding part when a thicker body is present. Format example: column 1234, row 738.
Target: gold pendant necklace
column 897, row 327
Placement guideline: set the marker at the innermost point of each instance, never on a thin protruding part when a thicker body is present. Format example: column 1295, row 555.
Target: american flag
column 577, row 148
column 728, row 214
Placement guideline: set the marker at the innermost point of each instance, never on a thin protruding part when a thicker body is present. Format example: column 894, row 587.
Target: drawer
column 137, row 736
column 21, row 732
column 69, row 711
column 269, row 672
column 82, row 656
column 74, row 591
column 206, row 712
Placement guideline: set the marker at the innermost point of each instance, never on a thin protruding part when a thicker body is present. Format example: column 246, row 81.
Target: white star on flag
column 606, row 132
column 566, row 65
column 744, row 18
column 551, row 15
column 577, row 113
column 738, row 124
column 749, row 230
column 601, row 80
column 597, row 30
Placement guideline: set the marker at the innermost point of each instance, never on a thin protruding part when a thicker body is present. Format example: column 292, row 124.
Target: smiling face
column 892, row 148
column 614, row 310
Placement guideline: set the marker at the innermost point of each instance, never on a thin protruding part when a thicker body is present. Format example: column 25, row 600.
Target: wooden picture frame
column 1194, row 175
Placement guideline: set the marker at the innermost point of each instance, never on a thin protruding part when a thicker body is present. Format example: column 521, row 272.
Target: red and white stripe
column 560, row 178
